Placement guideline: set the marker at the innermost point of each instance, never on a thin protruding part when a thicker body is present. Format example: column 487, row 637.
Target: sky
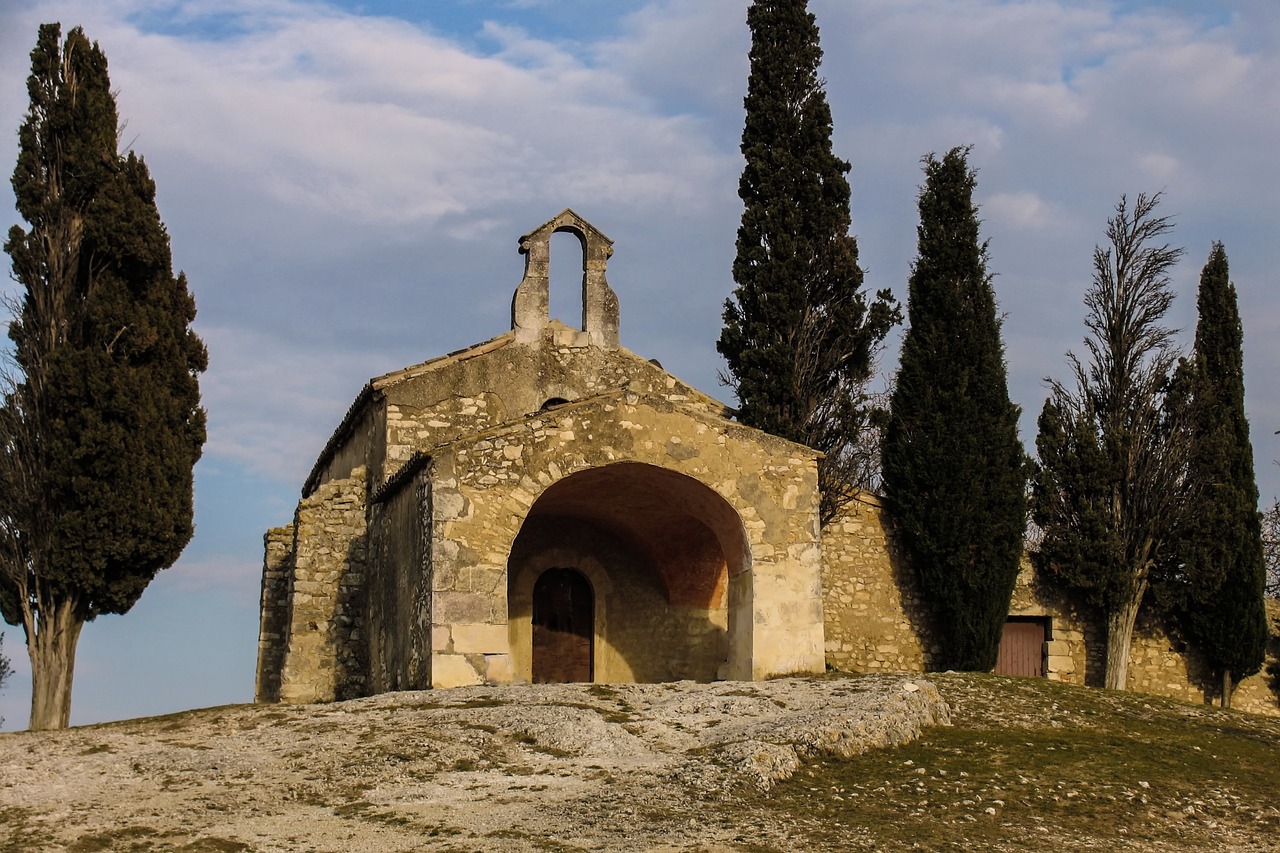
column 344, row 184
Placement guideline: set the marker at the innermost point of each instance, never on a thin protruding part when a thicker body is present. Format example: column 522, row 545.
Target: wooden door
column 1021, row 648
column 563, row 627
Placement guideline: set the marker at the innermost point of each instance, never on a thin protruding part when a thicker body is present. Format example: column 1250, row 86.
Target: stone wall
column 273, row 629
column 756, row 492
column 325, row 656
column 875, row 619
column 358, row 442
column 876, row 622
column 1160, row 663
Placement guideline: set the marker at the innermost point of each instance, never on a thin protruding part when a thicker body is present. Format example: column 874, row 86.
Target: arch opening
column 566, row 271
column 659, row 550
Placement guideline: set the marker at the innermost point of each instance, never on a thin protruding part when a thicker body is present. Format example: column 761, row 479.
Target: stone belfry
column 530, row 308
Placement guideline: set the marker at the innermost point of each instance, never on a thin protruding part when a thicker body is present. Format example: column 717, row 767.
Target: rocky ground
column 554, row 767
column 947, row 762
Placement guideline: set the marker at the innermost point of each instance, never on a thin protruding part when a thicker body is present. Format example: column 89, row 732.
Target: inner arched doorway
column 656, row 548
column 563, row 627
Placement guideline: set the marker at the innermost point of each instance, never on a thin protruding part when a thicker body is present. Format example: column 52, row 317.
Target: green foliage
column 129, row 427
column 1110, row 486
column 1220, row 550
column 102, row 424
column 799, row 336
column 1073, row 487
column 954, row 469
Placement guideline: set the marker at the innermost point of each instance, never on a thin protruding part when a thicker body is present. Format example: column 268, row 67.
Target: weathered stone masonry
column 455, row 494
column 452, row 487
column 876, row 622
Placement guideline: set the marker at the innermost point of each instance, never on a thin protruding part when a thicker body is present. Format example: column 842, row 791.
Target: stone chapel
column 548, row 506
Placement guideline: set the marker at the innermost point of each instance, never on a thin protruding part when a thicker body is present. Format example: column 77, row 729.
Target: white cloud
column 379, row 122
column 1021, row 211
column 272, row 403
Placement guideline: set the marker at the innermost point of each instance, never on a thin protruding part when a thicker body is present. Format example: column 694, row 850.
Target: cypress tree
column 1220, row 549
column 102, row 426
column 799, row 336
column 954, row 469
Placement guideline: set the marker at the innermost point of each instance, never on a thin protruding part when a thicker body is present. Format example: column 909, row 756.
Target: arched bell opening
column 566, row 278
column 658, row 550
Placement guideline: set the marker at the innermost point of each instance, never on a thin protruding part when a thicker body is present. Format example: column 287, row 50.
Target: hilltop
column 872, row 762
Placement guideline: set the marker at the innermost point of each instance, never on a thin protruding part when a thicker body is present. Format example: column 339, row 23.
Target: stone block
column 449, row 670
column 480, row 639
column 1062, row 664
column 499, row 669
column 454, row 608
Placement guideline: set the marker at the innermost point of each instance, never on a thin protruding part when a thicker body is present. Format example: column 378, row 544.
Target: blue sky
column 344, row 185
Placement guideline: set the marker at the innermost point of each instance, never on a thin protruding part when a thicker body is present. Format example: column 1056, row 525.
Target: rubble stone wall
column 273, row 630
column 876, row 622
column 875, row 619
column 325, row 655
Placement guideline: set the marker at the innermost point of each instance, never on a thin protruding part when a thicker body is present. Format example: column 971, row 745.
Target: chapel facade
column 544, row 506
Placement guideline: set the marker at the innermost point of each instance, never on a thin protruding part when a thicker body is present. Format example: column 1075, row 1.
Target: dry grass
column 1034, row 765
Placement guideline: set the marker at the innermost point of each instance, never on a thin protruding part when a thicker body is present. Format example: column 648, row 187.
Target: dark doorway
column 563, row 627
column 1022, row 648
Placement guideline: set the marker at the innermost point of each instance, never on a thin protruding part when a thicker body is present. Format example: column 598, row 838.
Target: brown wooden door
column 1021, row 648
column 563, row 627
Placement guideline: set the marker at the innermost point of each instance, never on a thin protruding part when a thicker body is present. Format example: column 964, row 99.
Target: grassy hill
column 1031, row 765
column 1023, row 765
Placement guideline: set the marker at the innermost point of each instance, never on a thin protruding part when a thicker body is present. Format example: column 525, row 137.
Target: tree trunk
column 1226, row 688
column 1119, row 638
column 53, row 660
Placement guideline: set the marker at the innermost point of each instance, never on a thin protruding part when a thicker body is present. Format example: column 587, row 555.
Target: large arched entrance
column 563, row 627
column 656, row 549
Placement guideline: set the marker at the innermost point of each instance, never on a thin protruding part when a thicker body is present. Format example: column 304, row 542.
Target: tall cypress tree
column 954, row 469
column 799, row 337
column 101, row 428
column 1220, row 547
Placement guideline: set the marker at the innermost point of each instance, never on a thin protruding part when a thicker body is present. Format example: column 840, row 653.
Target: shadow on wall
column 347, row 626
column 396, row 616
column 917, row 609
column 641, row 633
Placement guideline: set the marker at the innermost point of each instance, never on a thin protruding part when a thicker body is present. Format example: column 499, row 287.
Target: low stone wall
column 1161, row 664
column 874, row 618
column 875, row 622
